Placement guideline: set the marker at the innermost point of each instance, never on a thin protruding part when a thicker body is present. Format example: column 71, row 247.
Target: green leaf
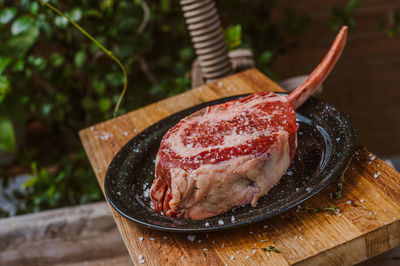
column 4, row 62
column 34, row 8
column 80, row 58
column 186, row 53
column 46, row 109
column 7, row 14
column 165, row 5
column 295, row 22
column 30, row 182
column 233, row 36
column 61, row 22
column 351, row 6
column 38, row 61
column 266, row 57
column 104, row 104
column 22, row 24
column 45, row 27
column 19, row 45
column 19, row 65
column 50, row 191
column 56, row 59
column 4, row 87
column 76, row 14
column 99, row 86
column 106, row 4
column 7, row 137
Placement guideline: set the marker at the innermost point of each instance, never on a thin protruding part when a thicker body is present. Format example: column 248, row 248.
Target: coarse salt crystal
column 152, row 238
column 191, row 237
column 207, row 224
column 233, row 219
column 141, row 238
column 247, row 257
column 232, row 257
column 254, row 251
column 348, row 202
column 362, row 201
column 141, row 259
column 220, row 222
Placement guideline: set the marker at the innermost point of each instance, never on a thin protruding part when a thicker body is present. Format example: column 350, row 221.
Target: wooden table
column 368, row 223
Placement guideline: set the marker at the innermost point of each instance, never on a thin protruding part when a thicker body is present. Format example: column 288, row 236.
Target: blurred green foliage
column 54, row 81
column 343, row 16
column 395, row 27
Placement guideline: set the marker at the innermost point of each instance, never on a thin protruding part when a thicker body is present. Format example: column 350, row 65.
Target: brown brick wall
column 366, row 81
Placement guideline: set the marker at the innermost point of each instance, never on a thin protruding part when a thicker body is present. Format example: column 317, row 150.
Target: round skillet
column 325, row 146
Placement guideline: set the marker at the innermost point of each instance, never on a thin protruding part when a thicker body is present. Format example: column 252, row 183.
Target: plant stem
column 341, row 180
column 108, row 52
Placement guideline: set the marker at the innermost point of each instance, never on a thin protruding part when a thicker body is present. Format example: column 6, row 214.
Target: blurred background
column 54, row 81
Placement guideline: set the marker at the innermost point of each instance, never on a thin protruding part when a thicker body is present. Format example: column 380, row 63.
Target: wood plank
column 367, row 225
column 65, row 235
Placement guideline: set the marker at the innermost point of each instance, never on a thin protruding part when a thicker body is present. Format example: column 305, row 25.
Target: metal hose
column 204, row 26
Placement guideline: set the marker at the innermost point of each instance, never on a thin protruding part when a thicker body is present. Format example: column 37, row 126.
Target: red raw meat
column 233, row 153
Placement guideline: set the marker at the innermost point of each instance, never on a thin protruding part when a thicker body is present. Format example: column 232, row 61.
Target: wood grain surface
column 366, row 225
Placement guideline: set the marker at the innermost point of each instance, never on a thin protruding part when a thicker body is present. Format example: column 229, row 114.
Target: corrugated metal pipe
column 205, row 30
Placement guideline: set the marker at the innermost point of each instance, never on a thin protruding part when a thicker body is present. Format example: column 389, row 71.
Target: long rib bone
column 318, row 76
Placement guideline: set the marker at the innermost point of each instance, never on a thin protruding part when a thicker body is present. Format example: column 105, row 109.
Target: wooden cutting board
column 368, row 222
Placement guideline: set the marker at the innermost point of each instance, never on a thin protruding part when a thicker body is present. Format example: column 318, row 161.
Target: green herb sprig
column 271, row 248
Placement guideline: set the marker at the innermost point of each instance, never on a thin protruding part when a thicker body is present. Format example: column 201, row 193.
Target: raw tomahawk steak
column 233, row 153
